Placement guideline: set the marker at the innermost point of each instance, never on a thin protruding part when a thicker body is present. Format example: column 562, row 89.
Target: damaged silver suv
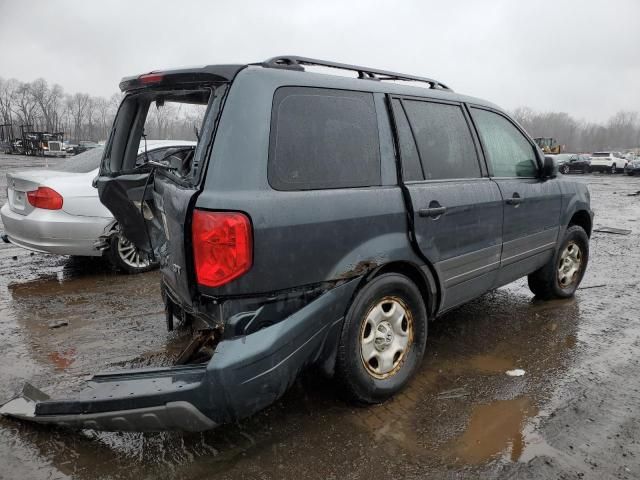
column 322, row 220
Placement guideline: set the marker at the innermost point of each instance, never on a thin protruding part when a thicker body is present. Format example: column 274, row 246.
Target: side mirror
column 549, row 168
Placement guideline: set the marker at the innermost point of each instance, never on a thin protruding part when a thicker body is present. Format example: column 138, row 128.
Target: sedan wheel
column 127, row 257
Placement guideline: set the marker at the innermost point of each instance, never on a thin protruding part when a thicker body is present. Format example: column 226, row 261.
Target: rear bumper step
column 141, row 400
column 244, row 375
column 180, row 415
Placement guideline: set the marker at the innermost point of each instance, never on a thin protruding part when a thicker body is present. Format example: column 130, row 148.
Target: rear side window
column 509, row 151
column 411, row 169
column 444, row 140
column 322, row 138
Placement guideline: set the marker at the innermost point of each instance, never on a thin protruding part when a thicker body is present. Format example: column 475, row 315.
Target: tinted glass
column 83, row 162
column 509, row 151
column 411, row 169
column 444, row 140
column 323, row 138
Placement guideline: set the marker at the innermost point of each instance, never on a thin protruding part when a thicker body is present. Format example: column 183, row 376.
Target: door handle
column 432, row 212
column 515, row 200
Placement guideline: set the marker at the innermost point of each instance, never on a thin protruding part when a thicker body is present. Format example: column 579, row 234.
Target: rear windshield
column 84, row 162
column 601, row 154
column 167, row 115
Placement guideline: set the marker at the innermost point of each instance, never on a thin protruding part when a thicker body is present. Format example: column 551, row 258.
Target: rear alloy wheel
column 383, row 339
column 126, row 257
column 613, row 168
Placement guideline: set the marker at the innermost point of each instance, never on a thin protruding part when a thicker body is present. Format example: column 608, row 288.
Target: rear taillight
column 222, row 246
column 45, row 197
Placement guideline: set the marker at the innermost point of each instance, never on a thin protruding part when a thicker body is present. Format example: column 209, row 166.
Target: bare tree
column 48, row 100
column 7, row 96
column 25, row 105
column 78, row 105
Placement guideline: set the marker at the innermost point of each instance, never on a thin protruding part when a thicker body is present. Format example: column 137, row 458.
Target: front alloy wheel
column 562, row 274
column 569, row 265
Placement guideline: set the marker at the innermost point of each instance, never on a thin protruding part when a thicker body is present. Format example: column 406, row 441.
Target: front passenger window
column 509, row 151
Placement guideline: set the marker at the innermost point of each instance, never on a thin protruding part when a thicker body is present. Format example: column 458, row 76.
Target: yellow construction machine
column 548, row 145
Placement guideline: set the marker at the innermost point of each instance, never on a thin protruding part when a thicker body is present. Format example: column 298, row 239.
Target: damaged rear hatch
column 151, row 201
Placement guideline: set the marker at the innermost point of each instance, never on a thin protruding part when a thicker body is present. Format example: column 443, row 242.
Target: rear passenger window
column 323, row 138
column 509, row 151
column 411, row 169
column 444, row 140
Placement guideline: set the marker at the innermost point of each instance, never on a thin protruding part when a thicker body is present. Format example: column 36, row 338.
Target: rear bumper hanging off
column 244, row 375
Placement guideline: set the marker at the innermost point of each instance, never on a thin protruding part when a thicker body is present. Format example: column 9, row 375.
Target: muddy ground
column 574, row 414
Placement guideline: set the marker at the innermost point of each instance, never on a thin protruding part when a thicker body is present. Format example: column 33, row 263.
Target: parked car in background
column 323, row 221
column 58, row 211
column 611, row 162
column 573, row 163
column 633, row 167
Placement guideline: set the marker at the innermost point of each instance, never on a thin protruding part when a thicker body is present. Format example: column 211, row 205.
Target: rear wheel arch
column 582, row 219
column 423, row 278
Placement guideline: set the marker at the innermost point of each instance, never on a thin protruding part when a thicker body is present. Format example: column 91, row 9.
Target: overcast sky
column 581, row 57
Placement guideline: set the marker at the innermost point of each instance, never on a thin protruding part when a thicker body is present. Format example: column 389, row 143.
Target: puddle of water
column 495, row 429
column 490, row 364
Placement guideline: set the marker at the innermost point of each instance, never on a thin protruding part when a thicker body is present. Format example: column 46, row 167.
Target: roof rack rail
column 297, row 63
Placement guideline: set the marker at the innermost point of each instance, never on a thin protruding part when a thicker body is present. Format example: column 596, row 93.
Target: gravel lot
column 574, row 414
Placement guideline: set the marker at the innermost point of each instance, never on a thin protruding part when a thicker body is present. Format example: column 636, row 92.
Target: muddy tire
column 125, row 257
column 562, row 275
column 383, row 339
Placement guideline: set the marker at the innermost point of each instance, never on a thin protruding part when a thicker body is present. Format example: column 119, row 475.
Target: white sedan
column 59, row 212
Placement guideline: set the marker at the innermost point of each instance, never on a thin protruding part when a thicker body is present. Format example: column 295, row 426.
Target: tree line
column 84, row 117
column 80, row 116
column 620, row 132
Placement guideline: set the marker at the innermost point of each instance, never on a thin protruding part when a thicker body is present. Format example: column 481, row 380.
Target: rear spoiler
column 184, row 76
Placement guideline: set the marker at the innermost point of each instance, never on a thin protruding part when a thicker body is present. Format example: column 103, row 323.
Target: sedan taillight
column 45, row 197
column 222, row 246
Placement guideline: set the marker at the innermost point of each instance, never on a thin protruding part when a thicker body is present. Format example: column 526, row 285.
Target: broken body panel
column 245, row 374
